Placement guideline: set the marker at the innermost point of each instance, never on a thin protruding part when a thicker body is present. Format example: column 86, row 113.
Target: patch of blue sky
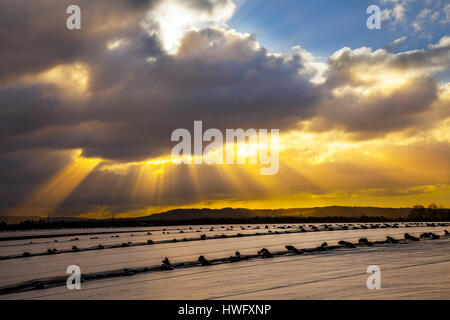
column 324, row 26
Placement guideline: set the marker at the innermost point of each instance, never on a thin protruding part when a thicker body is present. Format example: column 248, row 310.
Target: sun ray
column 53, row 192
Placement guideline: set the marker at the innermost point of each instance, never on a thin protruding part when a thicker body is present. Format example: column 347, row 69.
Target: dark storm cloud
column 34, row 37
column 375, row 116
column 136, row 104
column 19, row 107
column 398, row 106
column 231, row 85
column 22, row 171
column 222, row 78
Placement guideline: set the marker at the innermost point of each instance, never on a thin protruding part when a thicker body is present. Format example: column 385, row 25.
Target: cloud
column 35, row 38
column 421, row 17
column 222, row 77
column 446, row 17
column 436, row 58
column 395, row 14
column 376, row 92
column 172, row 19
column 395, row 44
column 117, row 89
column 52, row 43
column 136, row 93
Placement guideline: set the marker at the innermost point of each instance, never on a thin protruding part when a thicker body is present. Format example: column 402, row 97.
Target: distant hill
column 240, row 213
column 227, row 213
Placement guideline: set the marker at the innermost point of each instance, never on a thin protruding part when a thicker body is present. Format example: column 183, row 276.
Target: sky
column 87, row 115
column 324, row 27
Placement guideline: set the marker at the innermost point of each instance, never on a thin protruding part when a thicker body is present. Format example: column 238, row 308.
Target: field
column 129, row 267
